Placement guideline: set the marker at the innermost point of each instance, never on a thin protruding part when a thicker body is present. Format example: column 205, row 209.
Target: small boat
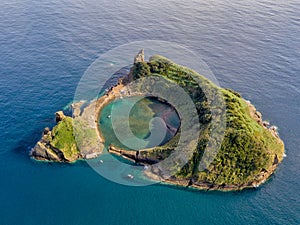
column 108, row 116
column 100, row 161
column 130, row 176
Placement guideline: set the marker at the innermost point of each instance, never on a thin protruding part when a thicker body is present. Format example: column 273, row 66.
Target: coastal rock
column 56, row 145
column 266, row 124
column 76, row 108
column 44, row 151
column 69, row 140
column 59, row 116
column 256, row 115
column 276, row 160
column 140, row 57
column 91, row 155
column 134, row 156
column 46, row 130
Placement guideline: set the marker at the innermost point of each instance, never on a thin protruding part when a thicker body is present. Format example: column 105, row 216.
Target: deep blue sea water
column 45, row 47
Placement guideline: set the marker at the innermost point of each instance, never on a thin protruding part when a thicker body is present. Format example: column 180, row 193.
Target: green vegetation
column 62, row 137
column 68, row 141
column 247, row 150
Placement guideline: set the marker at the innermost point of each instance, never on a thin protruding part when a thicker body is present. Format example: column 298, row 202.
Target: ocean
column 252, row 47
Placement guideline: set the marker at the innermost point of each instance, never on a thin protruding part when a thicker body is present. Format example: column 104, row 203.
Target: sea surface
column 252, row 46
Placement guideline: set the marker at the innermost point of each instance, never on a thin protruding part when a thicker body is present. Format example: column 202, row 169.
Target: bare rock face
column 140, row 57
column 76, row 107
column 44, row 151
column 46, row 130
column 59, row 116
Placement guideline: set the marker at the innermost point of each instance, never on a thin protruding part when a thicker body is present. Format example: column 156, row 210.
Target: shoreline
column 89, row 118
column 133, row 156
column 119, row 90
column 211, row 187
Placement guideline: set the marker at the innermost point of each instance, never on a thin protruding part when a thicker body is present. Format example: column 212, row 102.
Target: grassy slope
column 70, row 135
column 247, row 148
column 63, row 138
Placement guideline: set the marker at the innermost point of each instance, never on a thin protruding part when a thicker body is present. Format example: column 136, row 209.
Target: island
column 249, row 152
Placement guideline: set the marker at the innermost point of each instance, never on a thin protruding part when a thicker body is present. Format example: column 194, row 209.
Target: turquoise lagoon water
column 45, row 47
column 140, row 116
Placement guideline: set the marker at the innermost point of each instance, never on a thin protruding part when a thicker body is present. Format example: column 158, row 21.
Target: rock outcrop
column 59, row 116
column 138, row 156
column 70, row 140
column 43, row 150
column 47, row 147
column 140, row 57
column 76, row 108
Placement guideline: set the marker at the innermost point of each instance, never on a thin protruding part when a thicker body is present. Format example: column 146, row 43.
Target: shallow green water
column 140, row 120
